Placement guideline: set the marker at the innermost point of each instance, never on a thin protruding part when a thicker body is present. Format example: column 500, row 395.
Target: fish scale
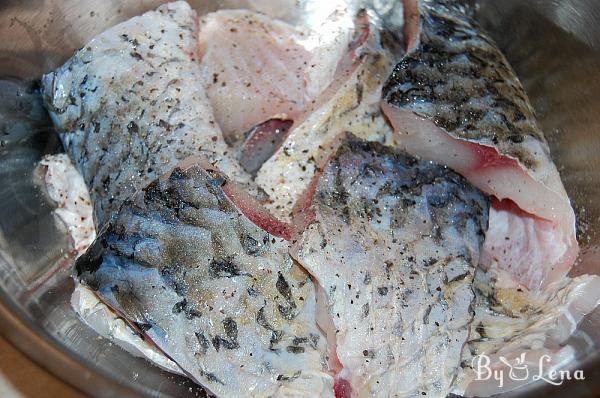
column 460, row 79
column 393, row 245
column 130, row 104
column 217, row 294
column 455, row 100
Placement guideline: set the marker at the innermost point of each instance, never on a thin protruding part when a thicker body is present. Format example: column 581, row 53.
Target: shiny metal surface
column 554, row 46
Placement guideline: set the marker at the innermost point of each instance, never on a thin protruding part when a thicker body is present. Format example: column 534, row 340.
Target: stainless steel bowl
column 554, row 46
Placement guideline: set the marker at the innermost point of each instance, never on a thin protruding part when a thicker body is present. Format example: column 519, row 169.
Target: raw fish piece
column 216, row 293
column 522, row 328
column 454, row 99
column 67, row 190
column 130, row 104
column 256, row 68
column 393, row 243
column 106, row 323
column 349, row 105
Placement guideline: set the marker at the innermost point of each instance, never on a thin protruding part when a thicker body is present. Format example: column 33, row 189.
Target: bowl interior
column 553, row 46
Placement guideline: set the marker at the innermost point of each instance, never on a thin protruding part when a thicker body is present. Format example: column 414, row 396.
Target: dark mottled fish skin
column 130, row 104
column 455, row 100
column 217, row 294
column 393, row 246
column 459, row 79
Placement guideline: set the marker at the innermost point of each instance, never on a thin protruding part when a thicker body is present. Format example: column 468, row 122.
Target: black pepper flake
column 294, row 349
column 136, row 55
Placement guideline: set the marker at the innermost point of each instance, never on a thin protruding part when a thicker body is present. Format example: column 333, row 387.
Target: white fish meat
column 73, row 208
column 350, row 105
column 256, row 68
column 107, row 324
column 522, row 328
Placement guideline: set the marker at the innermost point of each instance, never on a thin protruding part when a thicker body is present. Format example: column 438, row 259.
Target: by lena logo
column 520, row 370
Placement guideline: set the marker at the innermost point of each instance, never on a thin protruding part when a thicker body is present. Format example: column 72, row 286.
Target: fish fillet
column 522, row 327
column 106, row 323
column 73, row 207
column 127, row 109
column 352, row 105
column 454, row 99
column 393, row 244
column 256, row 68
column 217, row 294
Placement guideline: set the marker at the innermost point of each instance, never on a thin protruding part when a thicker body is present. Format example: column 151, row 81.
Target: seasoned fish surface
column 218, row 295
column 460, row 79
column 393, row 245
column 130, row 104
column 519, row 327
column 454, row 99
column 67, row 190
column 256, row 68
column 109, row 325
column 354, row 106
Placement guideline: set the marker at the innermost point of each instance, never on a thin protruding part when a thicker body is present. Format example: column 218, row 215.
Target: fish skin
column 127, row 110
column 454, row 99
column 218, row 295
column 107, row 324
column 522, row 327
column 459, row 78
column 393, row 245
